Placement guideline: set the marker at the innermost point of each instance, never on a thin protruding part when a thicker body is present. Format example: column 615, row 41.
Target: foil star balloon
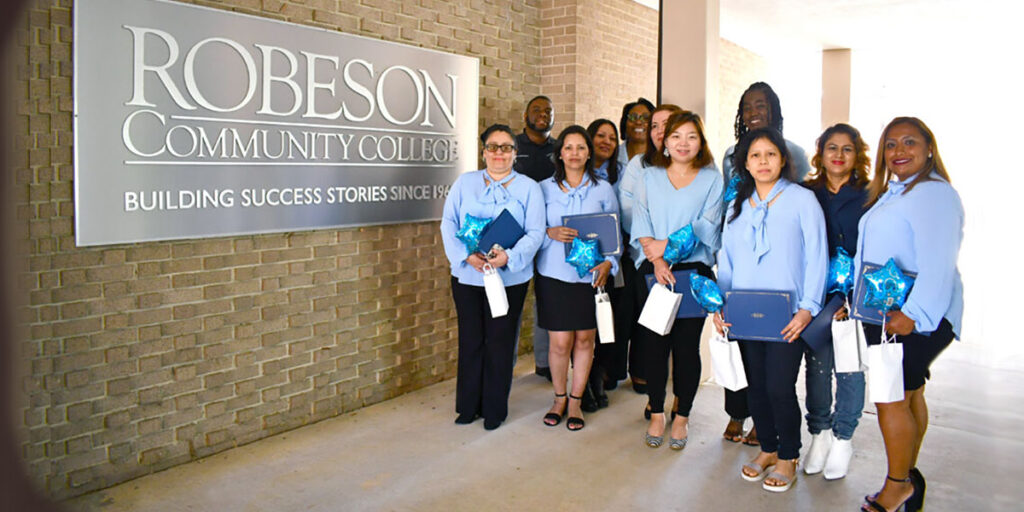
column 680, row 245
column 470, row 231
column 840, row 273
column 706, row 293
column 887, row 288
column 732, row 189
column 584, row 255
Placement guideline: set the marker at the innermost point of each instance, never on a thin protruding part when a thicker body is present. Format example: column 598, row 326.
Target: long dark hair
column 588, row 167
column 739, row 164
column 880, row 182
column 613, row 162
column 861, row 162
column 773, row 103
column 625, row 112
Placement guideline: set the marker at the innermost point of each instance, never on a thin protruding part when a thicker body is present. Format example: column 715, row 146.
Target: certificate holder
column 604, row 227
column 758, row 314
column 688, row 307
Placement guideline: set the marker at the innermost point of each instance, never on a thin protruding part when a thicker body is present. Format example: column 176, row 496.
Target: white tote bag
column 727, row 362
column 885, row 371
column 495, row 289
column 605, row 318
column 659, row 311
column 849, row 346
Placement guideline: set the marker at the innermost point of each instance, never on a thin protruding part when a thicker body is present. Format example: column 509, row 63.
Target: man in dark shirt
column 535, row 157
column 536, row 148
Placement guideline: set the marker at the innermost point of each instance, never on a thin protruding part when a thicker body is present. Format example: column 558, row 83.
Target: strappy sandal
column 909, row 505
column 552, row 419
column 574, row 423
column 762, row 471
column 751, row 438
column 787, row 482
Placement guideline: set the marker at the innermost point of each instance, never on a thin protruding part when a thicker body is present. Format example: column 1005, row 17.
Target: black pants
column 610, row 359
column 485, row 350
column 772, row 370
column 683, row 341
column 736, row 401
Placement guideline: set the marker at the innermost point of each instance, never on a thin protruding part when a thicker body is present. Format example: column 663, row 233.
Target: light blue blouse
column 793, row 244
column 660, row 210
column 623, row 155
column 470, row 194
column 629, row 179
column 797, row 156
column 602, row 171
column 586, row 198
column 922, row 230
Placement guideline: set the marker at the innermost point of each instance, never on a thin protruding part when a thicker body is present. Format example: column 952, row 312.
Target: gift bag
column 659, row 311
column 849, row 346
column 885, row 371
column 605, row 318
column 495, row 289
column 727, row 362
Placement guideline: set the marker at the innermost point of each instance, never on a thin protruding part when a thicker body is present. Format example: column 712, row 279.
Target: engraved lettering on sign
column 757, row 315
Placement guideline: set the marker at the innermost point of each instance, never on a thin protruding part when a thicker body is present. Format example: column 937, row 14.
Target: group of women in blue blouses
column 778, row 233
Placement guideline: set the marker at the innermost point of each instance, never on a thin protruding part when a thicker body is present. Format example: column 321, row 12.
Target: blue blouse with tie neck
column 588, row 197
column 474, row 193
column 922, row 230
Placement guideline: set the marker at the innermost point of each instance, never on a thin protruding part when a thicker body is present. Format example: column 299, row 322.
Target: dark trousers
column 485, row 351
column 736, row 401
column 683, row 342
column 610, row 359
column 772, row 370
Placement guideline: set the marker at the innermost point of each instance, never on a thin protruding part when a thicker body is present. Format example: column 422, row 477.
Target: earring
column 929, row 155
column 665, row 152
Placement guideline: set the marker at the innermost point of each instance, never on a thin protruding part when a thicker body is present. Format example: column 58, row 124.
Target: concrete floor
column 406, row 454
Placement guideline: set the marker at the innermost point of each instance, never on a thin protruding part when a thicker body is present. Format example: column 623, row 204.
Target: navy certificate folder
column 864, row 314
column 601, row 226
column 818, row 333
column 688, row 307
column 758, row 314
column 503, row 231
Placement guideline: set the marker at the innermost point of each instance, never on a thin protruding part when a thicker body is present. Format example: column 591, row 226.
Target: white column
column 835, row 87
column 689, row 57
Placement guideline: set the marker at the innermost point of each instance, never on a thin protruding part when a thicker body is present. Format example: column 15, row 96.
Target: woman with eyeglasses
column 759, row 107
column 917, row 219
column 632, row 304
column 634, row 126
column 565, row 300
column 486, row 344
column 684, row 188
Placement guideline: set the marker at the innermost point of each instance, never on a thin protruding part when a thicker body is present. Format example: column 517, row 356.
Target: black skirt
column 563, row 306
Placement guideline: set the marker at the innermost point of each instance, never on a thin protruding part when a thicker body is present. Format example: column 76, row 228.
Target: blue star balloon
column 887, row 287
column 584, row 255
column 732, row 189
column 840, row 273
column 706, row 293
column 470, row 231
column 680, row 245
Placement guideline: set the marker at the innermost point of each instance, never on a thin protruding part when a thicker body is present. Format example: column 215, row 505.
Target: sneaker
column 814, row 462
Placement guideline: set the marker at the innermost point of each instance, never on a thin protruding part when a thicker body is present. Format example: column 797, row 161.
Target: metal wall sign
column 196, row 122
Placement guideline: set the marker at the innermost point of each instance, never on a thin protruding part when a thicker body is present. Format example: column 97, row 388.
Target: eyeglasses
column 638, row 117
column 493, row 148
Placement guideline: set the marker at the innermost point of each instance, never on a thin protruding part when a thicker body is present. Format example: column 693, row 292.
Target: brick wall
column 596, row 56
column 738, row 67
column 139, row 357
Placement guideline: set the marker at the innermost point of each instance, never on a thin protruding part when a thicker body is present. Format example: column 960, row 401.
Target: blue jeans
column 849, row 395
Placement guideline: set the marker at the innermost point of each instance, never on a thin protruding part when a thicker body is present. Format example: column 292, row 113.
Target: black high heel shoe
column 906, row 506
column 574, row 423
column 552, row 419
column 917, row 479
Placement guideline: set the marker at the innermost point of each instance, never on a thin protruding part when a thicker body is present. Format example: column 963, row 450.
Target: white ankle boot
column 838, row 462
column 814, row 461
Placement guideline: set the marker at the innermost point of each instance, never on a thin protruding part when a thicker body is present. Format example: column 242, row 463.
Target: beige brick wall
column 738, row 67
column 139, row 357
column 596, row 56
